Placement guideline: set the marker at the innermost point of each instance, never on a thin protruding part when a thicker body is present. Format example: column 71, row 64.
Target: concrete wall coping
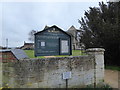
column 54, row 58
column 95, row 50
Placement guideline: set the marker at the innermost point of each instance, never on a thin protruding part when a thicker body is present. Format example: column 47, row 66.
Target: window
column 53, row 29
column 42, row 43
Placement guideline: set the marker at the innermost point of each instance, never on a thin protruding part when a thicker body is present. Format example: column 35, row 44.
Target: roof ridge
column 72, row 28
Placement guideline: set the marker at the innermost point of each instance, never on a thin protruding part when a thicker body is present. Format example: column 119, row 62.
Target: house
column 11, row 55
column 1, row 47
column 46, row 27
column 75, row 33
column 27, row 46
column 52, row 41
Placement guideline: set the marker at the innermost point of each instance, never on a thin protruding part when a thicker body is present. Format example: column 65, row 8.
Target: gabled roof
column 54, row 26
column 18, row 53
column 72, row 28
column 46, row 27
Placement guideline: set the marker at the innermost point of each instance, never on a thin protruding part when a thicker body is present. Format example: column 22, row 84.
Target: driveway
column 112, row 77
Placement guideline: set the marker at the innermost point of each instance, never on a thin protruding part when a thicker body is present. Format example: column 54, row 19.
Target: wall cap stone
column 95, row 50
column 53, row 58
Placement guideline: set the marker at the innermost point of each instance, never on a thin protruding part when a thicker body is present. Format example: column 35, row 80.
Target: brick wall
column 7, row 57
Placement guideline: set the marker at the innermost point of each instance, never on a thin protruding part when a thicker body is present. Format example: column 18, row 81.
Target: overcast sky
column 17, row 19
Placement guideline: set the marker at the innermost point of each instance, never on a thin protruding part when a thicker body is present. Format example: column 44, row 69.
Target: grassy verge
column 30, row 54
column 112, row 67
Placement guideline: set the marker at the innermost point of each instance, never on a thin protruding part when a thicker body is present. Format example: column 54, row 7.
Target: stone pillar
column 98, row 53
column 0, row 73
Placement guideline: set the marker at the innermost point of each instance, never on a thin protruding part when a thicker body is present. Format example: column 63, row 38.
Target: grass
column 112, row 67
column 77, row 52
column 30, row 54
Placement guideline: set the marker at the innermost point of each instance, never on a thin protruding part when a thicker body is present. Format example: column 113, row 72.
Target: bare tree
column 31, row 35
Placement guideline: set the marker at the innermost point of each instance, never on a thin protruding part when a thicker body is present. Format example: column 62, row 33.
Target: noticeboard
column 52, row 41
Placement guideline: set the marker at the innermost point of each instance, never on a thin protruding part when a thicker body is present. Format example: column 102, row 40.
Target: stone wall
column 48, row 72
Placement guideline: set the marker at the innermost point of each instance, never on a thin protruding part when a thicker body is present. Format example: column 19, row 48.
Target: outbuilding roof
column 18, row 53
column 28, row 43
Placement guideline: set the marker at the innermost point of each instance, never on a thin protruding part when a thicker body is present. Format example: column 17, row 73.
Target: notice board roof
column 54, row 26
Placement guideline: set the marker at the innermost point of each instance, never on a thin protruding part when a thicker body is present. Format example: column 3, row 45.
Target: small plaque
column 66, row 75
